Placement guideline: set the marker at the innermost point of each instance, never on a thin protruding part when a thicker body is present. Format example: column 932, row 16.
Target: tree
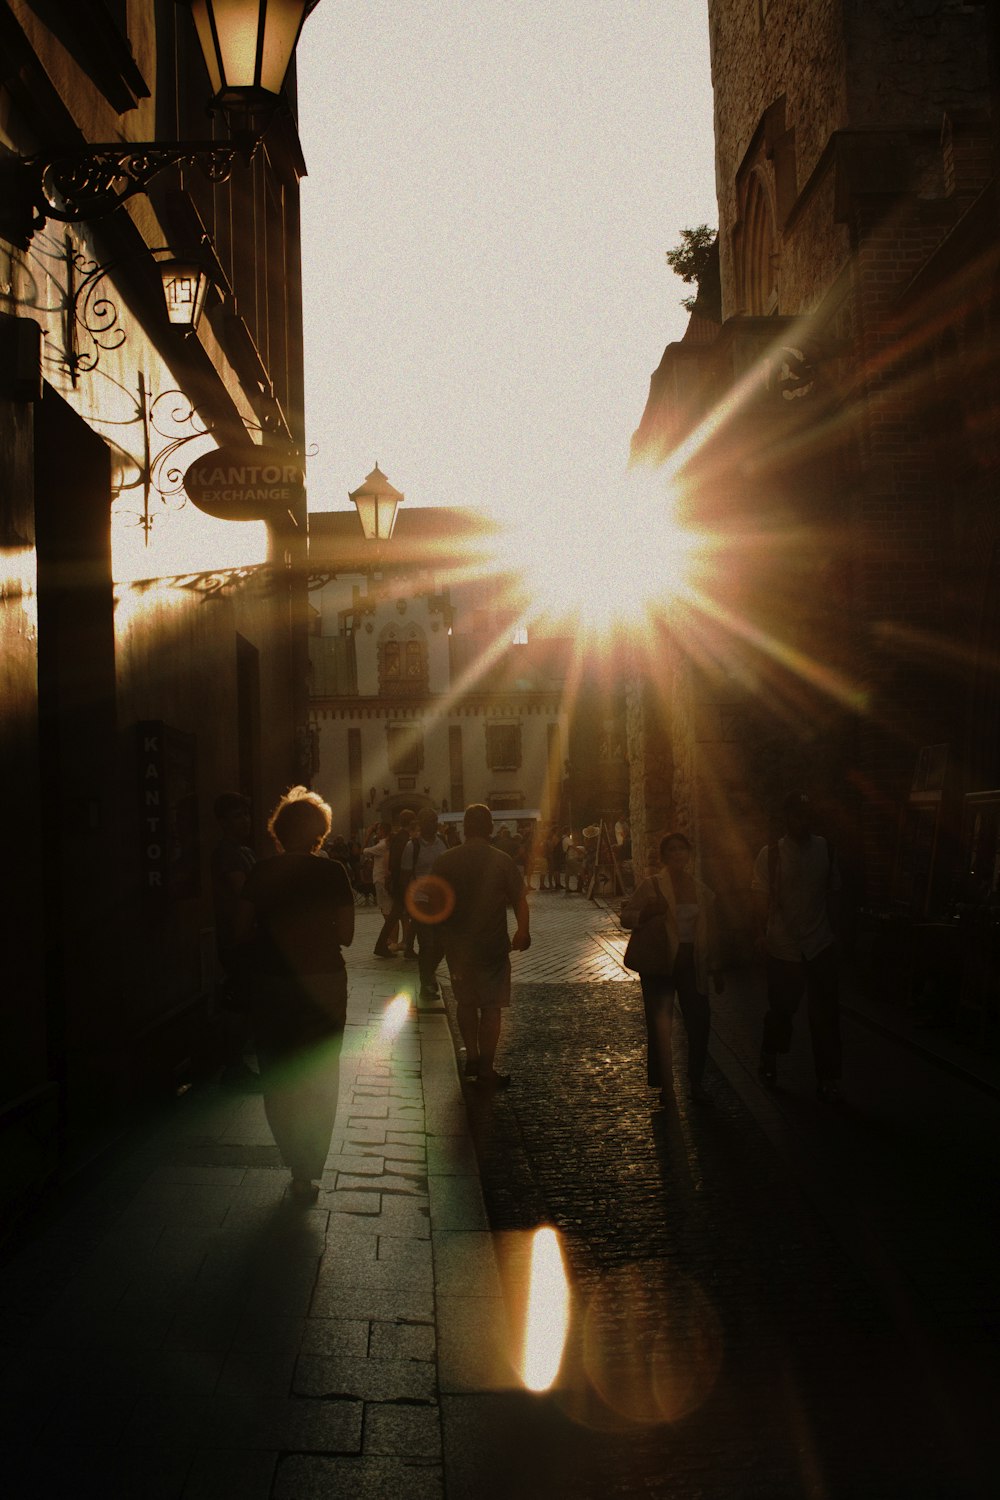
column 692, row 258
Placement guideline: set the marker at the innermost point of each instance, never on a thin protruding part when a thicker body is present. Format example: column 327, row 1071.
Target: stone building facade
column 833, row 417
column 152, row 656
column 423, row 692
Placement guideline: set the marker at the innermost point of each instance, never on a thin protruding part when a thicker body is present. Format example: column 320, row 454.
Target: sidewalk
column 178, row 1328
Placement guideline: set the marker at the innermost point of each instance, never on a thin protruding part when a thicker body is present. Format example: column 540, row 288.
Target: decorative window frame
column 766, row 190
column 403, row 661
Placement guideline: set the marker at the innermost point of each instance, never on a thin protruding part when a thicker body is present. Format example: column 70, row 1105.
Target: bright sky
column 492, row 188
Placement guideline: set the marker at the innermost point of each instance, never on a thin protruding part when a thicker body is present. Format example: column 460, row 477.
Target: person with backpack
column 795, row 885
column 396, row 889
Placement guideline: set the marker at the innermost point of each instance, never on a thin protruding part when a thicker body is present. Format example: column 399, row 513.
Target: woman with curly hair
column 298, row 908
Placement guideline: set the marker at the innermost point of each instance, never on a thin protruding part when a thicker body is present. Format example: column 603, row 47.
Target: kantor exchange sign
column 246, row 483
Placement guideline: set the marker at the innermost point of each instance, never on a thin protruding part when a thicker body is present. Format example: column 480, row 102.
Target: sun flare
column 606, row 559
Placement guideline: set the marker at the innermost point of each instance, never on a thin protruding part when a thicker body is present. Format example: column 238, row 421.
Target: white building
column 424, row 688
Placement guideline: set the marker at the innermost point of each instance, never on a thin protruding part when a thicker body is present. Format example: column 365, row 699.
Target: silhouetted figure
column 417, row 861
column 557, row 859
column 299, row 909
column 485, row 882
column 795, row 886
column 686, row 907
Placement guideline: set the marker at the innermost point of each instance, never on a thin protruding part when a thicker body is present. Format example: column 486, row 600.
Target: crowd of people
column 282, row 924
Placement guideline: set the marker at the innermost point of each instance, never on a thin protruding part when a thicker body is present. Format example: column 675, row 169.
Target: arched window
column 402, row 661
column 757, row 255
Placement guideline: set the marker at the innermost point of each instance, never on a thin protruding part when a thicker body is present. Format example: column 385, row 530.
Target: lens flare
column 652, row 1343
column 394, row 1016
column 429, row 899
column 547, row 1319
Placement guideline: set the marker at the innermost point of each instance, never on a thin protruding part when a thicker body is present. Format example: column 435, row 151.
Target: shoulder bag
column 648, row 950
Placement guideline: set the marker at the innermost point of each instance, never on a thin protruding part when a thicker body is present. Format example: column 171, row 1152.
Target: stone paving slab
column 364, row 1379
column 373, row 1478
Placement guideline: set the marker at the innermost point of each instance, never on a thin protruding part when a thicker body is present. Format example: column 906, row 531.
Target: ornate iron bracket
column 156, row 471
column 74, row 186
column 91, row 309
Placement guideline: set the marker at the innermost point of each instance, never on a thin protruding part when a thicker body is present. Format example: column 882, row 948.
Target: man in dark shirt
column 484, row 882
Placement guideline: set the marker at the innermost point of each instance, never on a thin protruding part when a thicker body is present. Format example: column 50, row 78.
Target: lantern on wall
column 185, row 283
column 247, row 46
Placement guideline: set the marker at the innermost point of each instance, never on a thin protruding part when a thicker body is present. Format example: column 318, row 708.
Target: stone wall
column 826, row 66
column 759, row 53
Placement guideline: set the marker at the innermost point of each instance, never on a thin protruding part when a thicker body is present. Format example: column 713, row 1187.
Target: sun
column 606, row 559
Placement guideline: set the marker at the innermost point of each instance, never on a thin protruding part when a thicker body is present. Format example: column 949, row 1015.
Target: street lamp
column 247, row 46
column 185, row 285
column 377, row 503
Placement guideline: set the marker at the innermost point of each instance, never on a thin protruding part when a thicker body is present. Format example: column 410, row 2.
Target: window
column 503, row 747
column 390, row 662
column 402, row 664
column 759, row 285
column 406, row 750
column 413, row 661
column 455, row 769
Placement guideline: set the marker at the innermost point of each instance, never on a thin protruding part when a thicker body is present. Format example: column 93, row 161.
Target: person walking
column 795, row 887
column 365, row 883
column 299, row 911
column 686, row 908
column 378, row 848
column 557, row 859
column 571, row 867
column 542, row 858
column 416, row 862
column 482, row 883
column 395, row 920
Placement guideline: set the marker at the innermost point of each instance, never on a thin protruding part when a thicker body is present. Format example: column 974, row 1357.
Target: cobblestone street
column 770, row 1298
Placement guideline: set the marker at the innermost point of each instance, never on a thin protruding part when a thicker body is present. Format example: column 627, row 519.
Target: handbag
column 648, row 950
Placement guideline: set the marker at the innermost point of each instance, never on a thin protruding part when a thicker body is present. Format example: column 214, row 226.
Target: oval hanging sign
column 246, row 483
